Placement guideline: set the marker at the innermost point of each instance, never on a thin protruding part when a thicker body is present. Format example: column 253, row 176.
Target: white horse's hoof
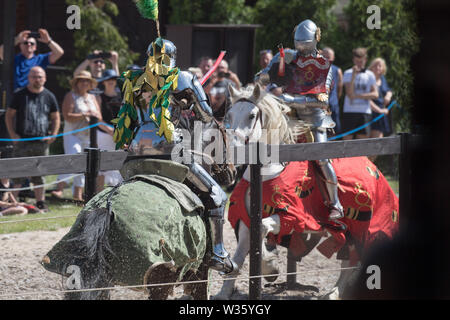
column 269, row 267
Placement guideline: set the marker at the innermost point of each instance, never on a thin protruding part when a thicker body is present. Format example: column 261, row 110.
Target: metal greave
column 215, row 215
column 328, row 172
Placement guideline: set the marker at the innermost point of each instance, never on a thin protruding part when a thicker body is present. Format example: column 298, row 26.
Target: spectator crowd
column 35, row 112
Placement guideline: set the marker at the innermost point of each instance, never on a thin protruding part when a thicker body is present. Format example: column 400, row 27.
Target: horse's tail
column 92, row 246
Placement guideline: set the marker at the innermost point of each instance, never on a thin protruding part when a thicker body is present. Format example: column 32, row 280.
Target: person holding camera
column 96, row 63
column 222, row 73
column 27, row 58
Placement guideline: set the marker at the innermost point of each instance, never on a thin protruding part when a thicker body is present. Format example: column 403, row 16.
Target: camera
column 224, row 74
column 34, row 34
column 105, row 55
column 101, row 55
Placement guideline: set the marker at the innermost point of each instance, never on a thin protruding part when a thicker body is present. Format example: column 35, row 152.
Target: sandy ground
column 23, row 278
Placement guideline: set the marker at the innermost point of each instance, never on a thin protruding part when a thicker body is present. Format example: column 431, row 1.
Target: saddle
column 171, row 170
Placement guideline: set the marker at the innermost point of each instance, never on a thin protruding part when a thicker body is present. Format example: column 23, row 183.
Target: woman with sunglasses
column 27, row 58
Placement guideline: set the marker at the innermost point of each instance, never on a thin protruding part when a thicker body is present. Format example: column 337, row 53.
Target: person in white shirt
column 360, row 87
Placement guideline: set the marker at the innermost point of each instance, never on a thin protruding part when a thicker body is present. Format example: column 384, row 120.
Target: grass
column 57, row 208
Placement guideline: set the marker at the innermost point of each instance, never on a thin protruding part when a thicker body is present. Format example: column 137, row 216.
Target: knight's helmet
column 306, row 36
column 169, row 49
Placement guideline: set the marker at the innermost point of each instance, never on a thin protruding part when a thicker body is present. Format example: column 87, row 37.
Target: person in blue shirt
column 381, row 127
column 27, row 58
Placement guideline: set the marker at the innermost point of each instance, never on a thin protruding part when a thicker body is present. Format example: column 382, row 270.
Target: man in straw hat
column 36, row 114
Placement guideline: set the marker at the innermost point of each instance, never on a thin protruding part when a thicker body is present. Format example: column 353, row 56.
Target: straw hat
column 83, row 75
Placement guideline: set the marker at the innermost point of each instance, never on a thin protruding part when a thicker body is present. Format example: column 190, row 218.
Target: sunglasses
column 98, row 62
column 29, row 43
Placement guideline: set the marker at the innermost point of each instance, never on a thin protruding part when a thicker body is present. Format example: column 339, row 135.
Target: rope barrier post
column 255, row 223
column 93, row 132
column 92, row 169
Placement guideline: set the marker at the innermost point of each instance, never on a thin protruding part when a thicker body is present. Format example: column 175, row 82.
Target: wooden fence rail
column 94, row 160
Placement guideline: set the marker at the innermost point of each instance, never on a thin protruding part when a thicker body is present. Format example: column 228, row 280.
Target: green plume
column 148, row 9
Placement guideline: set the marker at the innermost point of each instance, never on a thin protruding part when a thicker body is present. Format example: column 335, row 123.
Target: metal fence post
column 92, row 169
column 255, row 225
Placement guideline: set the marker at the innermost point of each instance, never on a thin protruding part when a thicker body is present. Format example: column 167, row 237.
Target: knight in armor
column 306, row 77
column 144, row 125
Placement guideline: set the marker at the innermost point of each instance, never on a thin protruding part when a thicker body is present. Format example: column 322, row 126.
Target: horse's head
column 256, row 116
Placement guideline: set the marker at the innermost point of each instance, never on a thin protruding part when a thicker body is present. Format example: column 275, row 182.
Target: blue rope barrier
column 59, row 135
column 97, row 124
column 364, row 125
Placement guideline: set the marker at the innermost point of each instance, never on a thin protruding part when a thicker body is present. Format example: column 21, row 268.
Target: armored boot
column 220, row 260
column 336, row 211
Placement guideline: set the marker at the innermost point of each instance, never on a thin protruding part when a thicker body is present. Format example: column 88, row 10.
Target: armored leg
column 335, row 207
column 221, row 260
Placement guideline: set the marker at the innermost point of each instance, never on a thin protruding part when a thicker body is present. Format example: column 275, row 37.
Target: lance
column 213, row 68
column 281, row 66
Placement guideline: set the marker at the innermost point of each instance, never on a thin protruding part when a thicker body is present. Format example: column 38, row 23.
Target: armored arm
column 272, row 69
column 187, row 80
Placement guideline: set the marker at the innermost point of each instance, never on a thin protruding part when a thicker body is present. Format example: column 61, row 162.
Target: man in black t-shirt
column 34, row 112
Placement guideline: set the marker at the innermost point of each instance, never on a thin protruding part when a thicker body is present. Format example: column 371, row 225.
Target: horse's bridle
column 258, row 117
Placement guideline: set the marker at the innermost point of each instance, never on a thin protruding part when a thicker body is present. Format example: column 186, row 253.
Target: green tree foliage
column 278, row 19
column 99, row 32
column 209, row 11
column 397, row 41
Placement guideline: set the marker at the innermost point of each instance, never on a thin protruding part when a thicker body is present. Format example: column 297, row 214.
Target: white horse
column 252, row 112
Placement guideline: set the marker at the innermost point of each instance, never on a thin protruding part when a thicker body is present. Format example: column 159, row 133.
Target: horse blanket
column 156, row 219
column 371, row 207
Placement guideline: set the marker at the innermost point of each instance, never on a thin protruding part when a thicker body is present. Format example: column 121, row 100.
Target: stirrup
column 335, row 213
column 222, row 264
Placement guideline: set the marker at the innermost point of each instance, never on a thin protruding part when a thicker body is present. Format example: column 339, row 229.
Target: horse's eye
column 252, row 116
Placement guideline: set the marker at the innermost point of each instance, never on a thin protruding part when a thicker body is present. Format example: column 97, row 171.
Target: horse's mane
column 274, row 111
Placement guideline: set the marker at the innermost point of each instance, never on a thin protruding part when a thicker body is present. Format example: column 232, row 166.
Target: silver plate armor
column 308, row 107
column 147, row 141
